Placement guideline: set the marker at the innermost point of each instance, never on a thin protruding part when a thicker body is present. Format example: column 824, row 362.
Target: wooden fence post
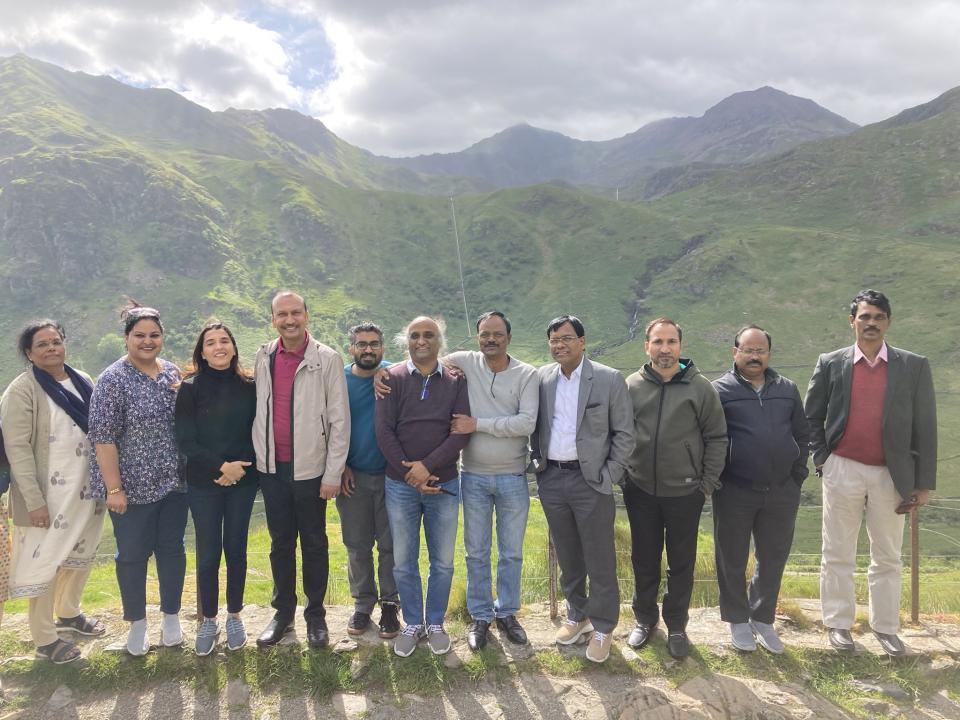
column 552, row 567
column 915, row 565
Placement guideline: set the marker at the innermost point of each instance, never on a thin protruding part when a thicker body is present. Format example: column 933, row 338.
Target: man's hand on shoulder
column 381, row 386
column 463, row 424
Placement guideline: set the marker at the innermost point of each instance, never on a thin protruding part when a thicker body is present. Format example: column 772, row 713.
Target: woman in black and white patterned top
column 136, row 470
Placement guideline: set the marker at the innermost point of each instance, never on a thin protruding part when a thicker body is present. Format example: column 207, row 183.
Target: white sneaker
column 171, row 634
column 138, row 642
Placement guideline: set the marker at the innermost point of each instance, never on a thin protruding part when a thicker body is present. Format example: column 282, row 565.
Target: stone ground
column 592, row 694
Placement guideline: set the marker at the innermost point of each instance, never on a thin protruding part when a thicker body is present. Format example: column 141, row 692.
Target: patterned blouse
column 133, row 411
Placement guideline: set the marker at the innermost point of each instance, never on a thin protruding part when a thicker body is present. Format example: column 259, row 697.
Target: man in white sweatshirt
column 504, row 401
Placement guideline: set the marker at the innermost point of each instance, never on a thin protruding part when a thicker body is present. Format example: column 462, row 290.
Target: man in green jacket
column 681, row 443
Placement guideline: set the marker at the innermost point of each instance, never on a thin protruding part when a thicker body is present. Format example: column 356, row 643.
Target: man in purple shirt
column 422, row 479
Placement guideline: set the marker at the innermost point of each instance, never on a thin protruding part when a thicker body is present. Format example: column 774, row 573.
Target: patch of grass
column 796, row 614
column 558, row 664
column 485, row 663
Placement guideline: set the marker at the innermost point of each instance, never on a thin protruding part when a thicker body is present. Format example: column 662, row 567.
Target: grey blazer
column 909, row 415
column 604, row 424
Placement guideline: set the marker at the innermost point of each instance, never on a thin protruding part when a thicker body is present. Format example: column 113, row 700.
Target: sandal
column 59, row 652
column 83, row 625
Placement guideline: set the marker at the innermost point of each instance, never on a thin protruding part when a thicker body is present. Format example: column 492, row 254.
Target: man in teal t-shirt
column 361, row 502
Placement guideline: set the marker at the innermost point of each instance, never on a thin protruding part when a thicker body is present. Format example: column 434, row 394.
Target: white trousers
column 850, row 491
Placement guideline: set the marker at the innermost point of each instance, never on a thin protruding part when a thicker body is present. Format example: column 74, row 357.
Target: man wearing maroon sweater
column 422, row 479
column 873, row 428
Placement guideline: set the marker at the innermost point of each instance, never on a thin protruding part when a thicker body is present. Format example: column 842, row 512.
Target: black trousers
column 295, row 509
column 656, row 522
column 768, row 517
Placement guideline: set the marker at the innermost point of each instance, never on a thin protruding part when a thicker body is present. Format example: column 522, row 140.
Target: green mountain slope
column 108, row 191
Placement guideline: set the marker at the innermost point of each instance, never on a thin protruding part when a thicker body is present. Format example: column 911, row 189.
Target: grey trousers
column 581, row 524
column 768, row 517
column 363, row 520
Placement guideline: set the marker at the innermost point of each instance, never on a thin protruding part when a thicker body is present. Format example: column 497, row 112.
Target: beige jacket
column 321, row 414
column 25, row 416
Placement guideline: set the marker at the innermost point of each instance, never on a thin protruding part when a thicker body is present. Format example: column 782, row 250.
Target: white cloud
column 430, row 75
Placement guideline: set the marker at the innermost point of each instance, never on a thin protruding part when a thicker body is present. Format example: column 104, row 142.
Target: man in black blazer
column 873, row 428
column 579, row 451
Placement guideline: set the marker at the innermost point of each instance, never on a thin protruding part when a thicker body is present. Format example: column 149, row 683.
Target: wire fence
column 941, row 575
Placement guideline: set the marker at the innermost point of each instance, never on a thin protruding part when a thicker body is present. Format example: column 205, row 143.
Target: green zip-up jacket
column 681, row 433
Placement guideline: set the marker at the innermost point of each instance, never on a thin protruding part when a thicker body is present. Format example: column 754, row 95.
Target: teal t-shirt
column 364, row 454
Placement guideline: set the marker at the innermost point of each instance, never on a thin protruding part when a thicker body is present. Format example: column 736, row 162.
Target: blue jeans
column 440, row 513
column 221, row 521
column 156, row 529
column 508, row 496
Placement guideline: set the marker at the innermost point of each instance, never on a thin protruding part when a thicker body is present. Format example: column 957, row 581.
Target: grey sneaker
column 407, row 640
column 741, row 637
column 438, row 640
column 236, row 633
column 767, row 637
column 171, row 634
column 137, row 641
column 207, row 636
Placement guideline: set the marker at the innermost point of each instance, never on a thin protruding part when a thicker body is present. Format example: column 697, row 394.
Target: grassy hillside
column 107, row 190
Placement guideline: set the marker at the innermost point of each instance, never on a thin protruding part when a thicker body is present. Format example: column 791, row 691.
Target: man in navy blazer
column 579, row 451
column 873, row 428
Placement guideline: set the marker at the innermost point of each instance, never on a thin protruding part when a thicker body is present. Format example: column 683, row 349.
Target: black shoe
column 389, row 621
column 841, row 640
column 359, row 622
column 317, row 636
column 477, row 635
column 640, row 636
column 678, row 645
column 891, row 644
column 511, row 626
column 274, row 632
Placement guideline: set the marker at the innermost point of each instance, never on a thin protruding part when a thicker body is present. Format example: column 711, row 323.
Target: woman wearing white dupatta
column 57, row 524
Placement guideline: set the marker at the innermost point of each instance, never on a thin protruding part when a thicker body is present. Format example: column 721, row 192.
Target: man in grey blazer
column 579, row 450
column 873, row 428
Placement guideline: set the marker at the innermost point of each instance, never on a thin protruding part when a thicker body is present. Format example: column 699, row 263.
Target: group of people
column 401, row 447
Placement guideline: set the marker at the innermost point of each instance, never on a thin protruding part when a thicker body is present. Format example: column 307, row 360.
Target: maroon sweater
column 413, row 422
column 863, row 435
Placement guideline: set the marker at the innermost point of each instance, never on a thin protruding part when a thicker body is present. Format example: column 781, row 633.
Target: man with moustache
column 422, row 481
column 760, row 493
column 681, row 440
column 504, row 399
column 362, row 502
column 301, row 435
column 579, row 451
column 873, row 426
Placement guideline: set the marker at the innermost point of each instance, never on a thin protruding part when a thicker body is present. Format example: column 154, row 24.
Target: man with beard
column 873, row 433
column 503, row 400
column 579, row 451
column 362, row 503
column 681, row 440
column 760, row 493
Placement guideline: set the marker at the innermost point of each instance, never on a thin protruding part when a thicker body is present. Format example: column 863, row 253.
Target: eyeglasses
column 759, row 352
column 373, row 345
column 565, row 340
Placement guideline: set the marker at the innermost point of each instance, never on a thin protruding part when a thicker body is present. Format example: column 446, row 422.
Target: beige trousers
column 852, row 491
column 62, row 598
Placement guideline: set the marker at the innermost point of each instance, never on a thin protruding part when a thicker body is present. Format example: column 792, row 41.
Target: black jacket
column 213, row 421
column 767, row 433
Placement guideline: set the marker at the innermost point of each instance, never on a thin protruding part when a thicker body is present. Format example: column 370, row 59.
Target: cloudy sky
column 402, row 77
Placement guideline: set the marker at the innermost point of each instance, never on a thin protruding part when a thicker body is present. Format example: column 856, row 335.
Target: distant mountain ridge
column 743, row 128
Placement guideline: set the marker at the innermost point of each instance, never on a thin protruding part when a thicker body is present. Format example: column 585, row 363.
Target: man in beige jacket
column 301, row 435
